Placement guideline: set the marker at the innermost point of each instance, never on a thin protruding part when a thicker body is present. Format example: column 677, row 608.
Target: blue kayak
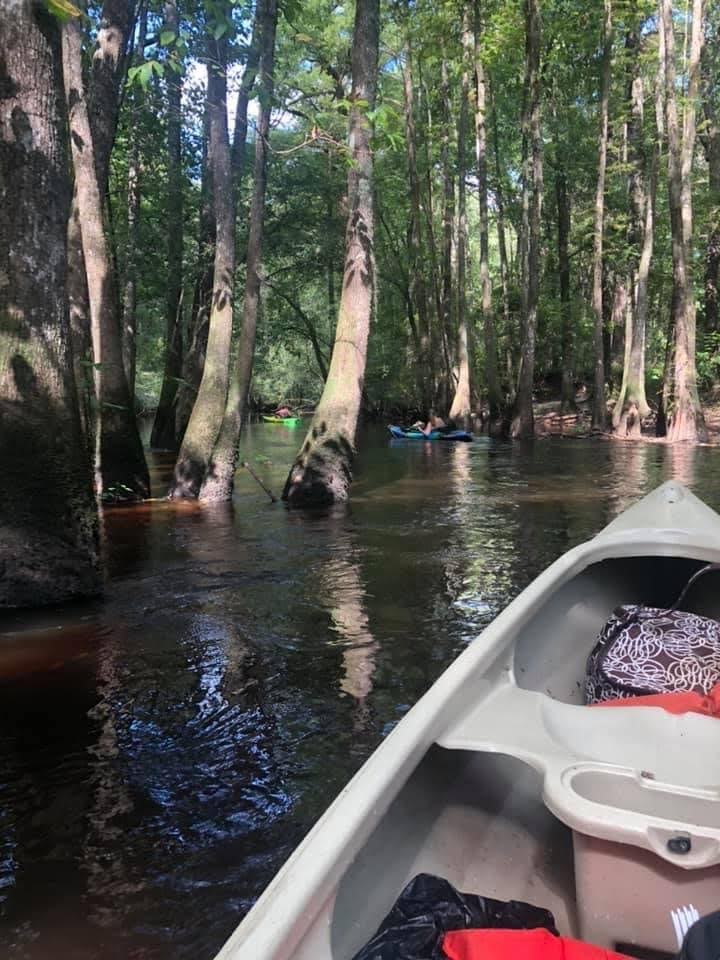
column 401, row 434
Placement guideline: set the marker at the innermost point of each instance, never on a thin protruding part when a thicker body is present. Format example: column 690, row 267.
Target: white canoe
column 501, row 781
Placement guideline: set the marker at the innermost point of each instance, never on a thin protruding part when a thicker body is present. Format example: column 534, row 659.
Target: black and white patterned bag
column 644, row 650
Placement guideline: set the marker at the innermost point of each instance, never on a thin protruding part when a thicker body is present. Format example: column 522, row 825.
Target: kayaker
column 434, row 423
column 283, row 411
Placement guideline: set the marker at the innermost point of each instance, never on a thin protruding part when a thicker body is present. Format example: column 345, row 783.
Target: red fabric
column 708, row 705
column 520, row 945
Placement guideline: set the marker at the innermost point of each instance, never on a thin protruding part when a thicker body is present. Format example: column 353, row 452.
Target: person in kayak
column 434, row 423
column 283, row 411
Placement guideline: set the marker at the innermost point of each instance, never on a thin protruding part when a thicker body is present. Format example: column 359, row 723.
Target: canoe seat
column 639, row 776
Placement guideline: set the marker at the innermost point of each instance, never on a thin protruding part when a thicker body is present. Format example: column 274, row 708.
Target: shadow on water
column 163, row 751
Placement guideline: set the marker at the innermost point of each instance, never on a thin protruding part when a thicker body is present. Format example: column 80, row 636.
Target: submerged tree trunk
column 207, row 413
column 683, row 413
column 322, row 471
column 599, row 412
column 120, row 469
column 632, row 406
column 524, row 424
column 218, row 483
column 164, row 434
column 461, row 406
column 48, row 522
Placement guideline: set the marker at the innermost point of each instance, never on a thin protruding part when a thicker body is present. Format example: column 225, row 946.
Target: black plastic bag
column 429, row 907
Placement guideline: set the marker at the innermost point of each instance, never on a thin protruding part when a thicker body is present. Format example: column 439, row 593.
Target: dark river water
column 164, row 750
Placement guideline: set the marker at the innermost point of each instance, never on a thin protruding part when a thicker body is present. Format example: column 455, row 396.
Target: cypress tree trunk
column 567, row 390
column 632, row 404
column 218, row 483
column 48, row 522
column 495, row 426
column 599, row 413
column 208, row 409
column 164, row 435
column 129, row 320
column 683, row 411
column 448, row 217
column 322, row 471
column 524, row 424
column 504, row 266
column 710, row 137
column 418, row 291
column 197, row 332
column 461, row 405
column 120, row 469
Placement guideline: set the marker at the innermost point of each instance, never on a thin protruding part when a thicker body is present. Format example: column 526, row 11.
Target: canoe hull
column 285, row 421
column 461, row 789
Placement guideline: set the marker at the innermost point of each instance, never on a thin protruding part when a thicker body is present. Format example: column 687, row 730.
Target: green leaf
column 167, row 37
column 62, row 9
column 220, row 30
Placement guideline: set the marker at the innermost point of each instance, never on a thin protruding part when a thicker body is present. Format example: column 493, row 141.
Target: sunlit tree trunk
column 164, row 434
column 504, row 265
column 132, row 254
column 48, row 520
column 448, row 218
column 683, row 413
column 524, row 424
column 632, row 405
column 599, row 412
column 492, row 378
column 322, row 471
column 120, row 468
column 567, row 390
column 461, row 405
column 198, row 323
column 209, row 407
column 218, row 483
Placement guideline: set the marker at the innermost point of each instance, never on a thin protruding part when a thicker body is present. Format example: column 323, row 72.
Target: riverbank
column 551, row 422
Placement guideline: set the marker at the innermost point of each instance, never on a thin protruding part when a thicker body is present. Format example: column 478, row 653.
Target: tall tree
column 710, row 136
column 632, row 405
column 532, row 188
column 599, row 412
column 218, row 482
column 208, row 409
column 322, row 471
column 492, row 378
column 48, row 525
column 684, row 415
column 164, row 436
column 120, row 468
column 461, row 405
column 132, row 251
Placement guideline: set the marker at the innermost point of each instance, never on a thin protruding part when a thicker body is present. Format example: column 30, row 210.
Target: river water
column 164, row 750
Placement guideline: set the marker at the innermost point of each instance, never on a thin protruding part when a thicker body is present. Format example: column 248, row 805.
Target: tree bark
column 120, row 469
column 492, row 378
column 208, row 410
column 164, row 433
column 448, row 218
column 48, row 522
column 218, row 483
column 711, row 142
column 197, row 331
column 524, row 424
column 632, row 406
column 599, row 411
column 683, row 413
column 504, row 264
column 322, row 471
column 129, row 319
column 418, row 291
column 461, row 406
column 567, row 389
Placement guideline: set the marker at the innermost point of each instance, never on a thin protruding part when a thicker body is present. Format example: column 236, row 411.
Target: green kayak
column 288, row 421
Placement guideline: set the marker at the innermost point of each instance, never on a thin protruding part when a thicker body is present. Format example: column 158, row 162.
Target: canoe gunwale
column 309, row 880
